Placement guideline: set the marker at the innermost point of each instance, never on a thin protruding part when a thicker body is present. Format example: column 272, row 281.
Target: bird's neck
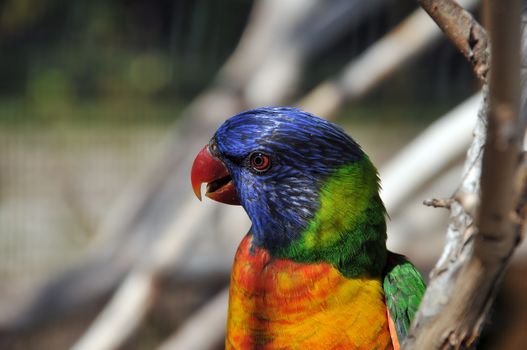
column 349, row 228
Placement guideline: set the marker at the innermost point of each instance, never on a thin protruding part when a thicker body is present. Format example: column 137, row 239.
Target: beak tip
column 196, row 187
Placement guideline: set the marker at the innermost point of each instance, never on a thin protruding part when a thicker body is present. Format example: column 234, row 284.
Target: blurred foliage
column 60, row 57
column 142, row 61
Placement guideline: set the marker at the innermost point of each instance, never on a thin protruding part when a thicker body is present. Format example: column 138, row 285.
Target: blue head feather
column 303, row 149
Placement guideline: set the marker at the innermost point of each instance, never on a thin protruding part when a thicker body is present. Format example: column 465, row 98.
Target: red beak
column 210, row 170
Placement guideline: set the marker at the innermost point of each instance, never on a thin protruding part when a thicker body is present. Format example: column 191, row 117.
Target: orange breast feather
column 280, row 304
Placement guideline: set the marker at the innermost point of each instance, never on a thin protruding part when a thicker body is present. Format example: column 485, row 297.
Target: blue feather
column 304, row 150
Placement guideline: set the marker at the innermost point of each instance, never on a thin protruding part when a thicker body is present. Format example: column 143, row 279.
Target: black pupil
column 258, row 160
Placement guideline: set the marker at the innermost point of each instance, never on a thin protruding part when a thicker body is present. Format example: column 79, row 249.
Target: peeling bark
column 463, row 30
column 488, row 210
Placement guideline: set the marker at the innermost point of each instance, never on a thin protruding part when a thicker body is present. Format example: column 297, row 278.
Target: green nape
column 349, row 229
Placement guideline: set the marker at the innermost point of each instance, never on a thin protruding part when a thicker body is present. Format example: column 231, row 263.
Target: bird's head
column 303, row 181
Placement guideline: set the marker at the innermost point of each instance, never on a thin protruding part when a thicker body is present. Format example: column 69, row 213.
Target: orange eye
column 213, row 147
column 260, row 162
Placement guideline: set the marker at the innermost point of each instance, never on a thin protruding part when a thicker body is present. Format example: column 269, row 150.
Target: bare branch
column 463, row 30
column 503, row 136
column 483, row 235
column 438, row 203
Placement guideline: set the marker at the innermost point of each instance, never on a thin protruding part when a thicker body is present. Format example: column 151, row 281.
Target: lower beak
column 210, row 170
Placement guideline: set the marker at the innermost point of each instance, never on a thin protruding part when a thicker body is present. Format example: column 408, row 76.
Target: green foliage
column 59, row 57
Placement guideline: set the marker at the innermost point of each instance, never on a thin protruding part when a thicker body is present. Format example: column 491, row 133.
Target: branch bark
column 484, row 229
column 463, row 30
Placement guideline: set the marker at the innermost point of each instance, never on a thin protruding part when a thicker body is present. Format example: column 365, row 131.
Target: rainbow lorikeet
column 313, row 272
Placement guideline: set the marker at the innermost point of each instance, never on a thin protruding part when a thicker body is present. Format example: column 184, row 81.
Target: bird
column 313, row 271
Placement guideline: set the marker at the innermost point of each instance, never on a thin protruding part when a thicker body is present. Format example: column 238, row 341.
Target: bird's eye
column 259, row 162
column 213, row 147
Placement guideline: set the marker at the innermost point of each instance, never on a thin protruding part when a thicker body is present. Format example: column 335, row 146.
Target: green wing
column 403, row 288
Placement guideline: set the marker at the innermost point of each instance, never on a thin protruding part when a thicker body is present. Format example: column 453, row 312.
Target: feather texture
column 280, row 304
column 404, row 288
column 314, row 271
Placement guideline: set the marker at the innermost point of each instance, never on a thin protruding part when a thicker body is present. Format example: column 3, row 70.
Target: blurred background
column 103, row 105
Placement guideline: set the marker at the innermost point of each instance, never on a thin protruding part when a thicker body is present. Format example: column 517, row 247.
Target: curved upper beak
column 210, row 170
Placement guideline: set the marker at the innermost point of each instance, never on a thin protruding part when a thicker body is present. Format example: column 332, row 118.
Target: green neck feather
column 349, row 229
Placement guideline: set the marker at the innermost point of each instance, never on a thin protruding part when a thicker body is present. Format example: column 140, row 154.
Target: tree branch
column 481, row 237
column 438, row 203
column 463, row 30
column 503, row 135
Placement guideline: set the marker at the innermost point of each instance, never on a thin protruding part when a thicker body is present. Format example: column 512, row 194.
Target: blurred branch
column 399, row 178
column 73, row 198
column 316, row 25
column 211, row 317
column 133, row 299
column 463, row 30
column 486, row 219
column 407, row 40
